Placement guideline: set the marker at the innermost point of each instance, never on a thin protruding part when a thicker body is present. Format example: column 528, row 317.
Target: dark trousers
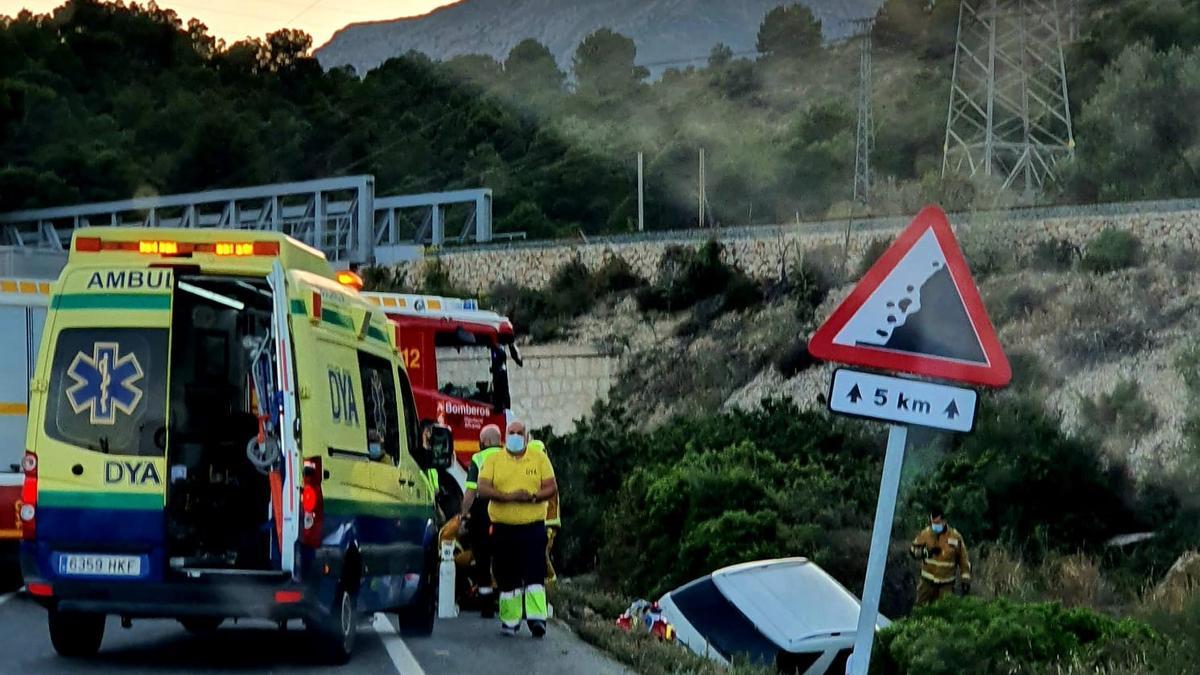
column 520, row 555
column 480, row 541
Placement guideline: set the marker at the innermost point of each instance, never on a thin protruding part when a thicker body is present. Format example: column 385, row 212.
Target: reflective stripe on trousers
column 528, row 602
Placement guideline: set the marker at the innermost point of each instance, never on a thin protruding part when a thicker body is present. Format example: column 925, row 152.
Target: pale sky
column 236, row 19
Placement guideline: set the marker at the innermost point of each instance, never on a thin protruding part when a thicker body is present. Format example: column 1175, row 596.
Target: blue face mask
column 515, row 444
column 938, row 528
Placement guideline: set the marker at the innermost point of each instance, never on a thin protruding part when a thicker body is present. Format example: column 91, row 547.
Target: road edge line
column 8, row 596
column 402, row 658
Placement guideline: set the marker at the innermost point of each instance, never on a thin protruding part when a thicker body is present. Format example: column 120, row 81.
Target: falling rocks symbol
column 941, row 326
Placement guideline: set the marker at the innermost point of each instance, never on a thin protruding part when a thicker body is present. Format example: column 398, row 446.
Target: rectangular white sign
column 893, row 399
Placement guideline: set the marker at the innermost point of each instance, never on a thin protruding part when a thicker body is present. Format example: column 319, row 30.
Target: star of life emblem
column 105, row 383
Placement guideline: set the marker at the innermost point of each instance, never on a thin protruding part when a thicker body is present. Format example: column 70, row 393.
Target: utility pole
column 703, row 197
column 865, row 135
column 1010, row 114
column 641, row 194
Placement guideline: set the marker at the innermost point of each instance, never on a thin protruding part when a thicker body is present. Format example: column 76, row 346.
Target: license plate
column 88, row 565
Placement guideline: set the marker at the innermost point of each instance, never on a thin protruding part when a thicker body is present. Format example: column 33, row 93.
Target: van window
column 108, row 390
column 379, row 402
column 410, row 414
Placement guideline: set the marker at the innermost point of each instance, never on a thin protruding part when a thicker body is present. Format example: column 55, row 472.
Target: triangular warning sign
column 917, row 311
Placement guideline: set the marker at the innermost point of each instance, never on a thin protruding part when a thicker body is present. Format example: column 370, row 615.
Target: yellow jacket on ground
column 509, row 473
column 943, row 556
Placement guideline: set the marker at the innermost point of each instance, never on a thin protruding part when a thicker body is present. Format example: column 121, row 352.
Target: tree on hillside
column 928, row 28
column 720, row 55
column 531, row 70
column 605, row 65
column 1140, row 122
column 790, row 32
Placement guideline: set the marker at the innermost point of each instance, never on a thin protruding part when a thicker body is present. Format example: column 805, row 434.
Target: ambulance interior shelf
column 221, row 385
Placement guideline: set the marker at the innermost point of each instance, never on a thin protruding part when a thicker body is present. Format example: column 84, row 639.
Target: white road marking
column 402, row 658
column 7, row 596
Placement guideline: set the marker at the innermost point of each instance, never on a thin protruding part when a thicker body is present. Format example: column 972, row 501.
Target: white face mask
column 938, row 528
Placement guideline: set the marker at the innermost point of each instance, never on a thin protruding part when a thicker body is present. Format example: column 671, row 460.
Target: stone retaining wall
column 762, row 251
column 557, row 386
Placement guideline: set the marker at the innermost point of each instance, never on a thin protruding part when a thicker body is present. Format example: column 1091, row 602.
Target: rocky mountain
column 667, row 32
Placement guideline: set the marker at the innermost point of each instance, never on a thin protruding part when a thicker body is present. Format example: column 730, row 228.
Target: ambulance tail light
column 316, row 307
column 27, row 510
column 313, row 504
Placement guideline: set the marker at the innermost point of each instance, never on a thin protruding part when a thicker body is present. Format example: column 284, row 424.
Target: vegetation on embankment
column 101, row 101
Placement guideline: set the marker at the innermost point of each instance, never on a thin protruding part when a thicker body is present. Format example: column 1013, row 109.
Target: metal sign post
column 916, row 311
column 885, row 513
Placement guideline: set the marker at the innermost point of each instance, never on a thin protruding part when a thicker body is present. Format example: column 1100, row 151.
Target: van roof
column 239, row 251
column 453, row 310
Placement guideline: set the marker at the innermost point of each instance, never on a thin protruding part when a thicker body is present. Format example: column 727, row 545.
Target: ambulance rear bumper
column 194, row 598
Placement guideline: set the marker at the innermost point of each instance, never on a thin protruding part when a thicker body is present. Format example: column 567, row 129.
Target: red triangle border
column 997, row 373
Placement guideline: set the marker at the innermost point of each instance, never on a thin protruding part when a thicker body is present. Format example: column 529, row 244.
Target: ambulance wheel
column 201, row 625
column 418, row 618
column 336, row 631
column 76, row 635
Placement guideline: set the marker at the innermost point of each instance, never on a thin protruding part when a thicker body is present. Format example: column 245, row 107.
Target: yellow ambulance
column 217, row 429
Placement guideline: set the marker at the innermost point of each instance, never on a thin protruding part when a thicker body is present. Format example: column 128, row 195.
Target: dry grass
column 1073, row 580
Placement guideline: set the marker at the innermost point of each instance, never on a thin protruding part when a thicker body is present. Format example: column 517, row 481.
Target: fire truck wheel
column 76, row 635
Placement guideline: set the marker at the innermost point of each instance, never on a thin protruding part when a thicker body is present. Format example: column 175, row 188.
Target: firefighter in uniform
column 519, row 483
column 943, row 556
column 553, row 520
column 479, row 524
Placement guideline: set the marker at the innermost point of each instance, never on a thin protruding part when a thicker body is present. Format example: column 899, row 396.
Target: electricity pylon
column 865, row 135
column 1010, row 115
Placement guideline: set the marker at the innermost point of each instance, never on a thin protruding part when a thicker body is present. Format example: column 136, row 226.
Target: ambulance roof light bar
column 432, row 306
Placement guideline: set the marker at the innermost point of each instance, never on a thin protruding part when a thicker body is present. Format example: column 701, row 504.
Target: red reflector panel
column 29, row 490
column 40, row 590
column 87, row 244
column 288, row 597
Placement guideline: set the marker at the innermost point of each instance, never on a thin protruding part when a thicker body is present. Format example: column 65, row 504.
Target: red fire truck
column 457, row 358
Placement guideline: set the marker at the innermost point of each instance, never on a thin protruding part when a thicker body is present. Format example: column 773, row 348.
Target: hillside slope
column 664, row 30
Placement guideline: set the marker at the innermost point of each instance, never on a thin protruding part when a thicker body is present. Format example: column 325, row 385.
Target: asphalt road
column 465, row 644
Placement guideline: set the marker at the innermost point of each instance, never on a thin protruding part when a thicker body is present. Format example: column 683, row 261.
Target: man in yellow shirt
column 519, row 484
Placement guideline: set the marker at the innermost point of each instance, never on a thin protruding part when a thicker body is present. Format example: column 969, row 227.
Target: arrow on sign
column 952, row 410
column 855, row 395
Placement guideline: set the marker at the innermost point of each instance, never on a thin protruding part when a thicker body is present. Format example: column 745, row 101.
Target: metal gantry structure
column 865, row 134
column 341, row 216
column 1010, row 114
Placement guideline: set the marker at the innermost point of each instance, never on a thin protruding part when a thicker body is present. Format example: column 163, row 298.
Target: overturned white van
column 787, row 612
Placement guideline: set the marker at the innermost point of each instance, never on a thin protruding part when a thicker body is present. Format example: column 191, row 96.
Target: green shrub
column 688, row 276
column 1021, row 480
column 1122, row 411
column 1054, row 255
column 435, row 280
column 988, row 251
column 871, row 255
column 811, row 279
column 741, row 292
column 982, row 637
column 1112, row 250
column 1009, row 299
column 383, row 279
column 616, row 276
